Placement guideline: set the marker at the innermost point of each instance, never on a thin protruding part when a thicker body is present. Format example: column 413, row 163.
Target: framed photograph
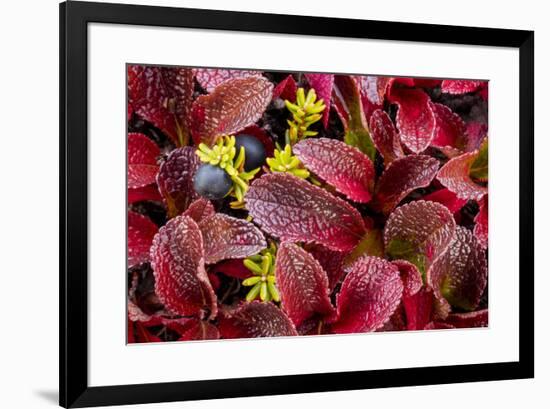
column 257, row 204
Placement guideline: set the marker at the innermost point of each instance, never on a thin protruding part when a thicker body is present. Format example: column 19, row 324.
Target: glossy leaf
column 294, row 210
column 402, row 177
column 200, row 210
column 447, row 198
column 142, row 160
column 454, row 175
column 302, row 283
column 255, row 319
column 450, row 129
column 210, row 78
column 331, row 260
column 415, row 118
column 460, row 86
column 419, row 232
column 141, row 231
column 370, row 294
column 385, row 137
column 175, row 179
column 481, row 229
column 346, row 168
column 322, row 84
column 459, row 276
column 177, row 258
column 286, row 89
column 226, row 237
column 230, row 107
column 140, row 194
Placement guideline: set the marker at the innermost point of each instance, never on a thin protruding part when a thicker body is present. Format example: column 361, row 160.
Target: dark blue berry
column 212, row 182
column 254, row 151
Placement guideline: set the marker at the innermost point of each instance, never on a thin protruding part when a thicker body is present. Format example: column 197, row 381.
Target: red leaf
column 469, row 319
column 286, row 89
column 141, row 334
column 210, row 78
column 459, row 276
column 415, row 119
column 481, row 229
column 149, row 192
column 322, row 84
column 370, row 294
column 198, row 330
column 476, row 133
column 426, row 82
column 331, row 260
column 454, row 175
column 232, row 106
column 402, row 177
column 411, row 277
column 175, row 179
column 177, row 258
column 418, row 309
column 419, row 232
column 200, row 210
column 303, row 284
column 294, row 210
column 141, row 231
column 147, row 94
column 254, row 320
column 450, row 129
column 460, row 86
column 227, row 237
column 447, row 199
column 142, row 160
column 232, row 268
column 385, row 137
column 346, row 168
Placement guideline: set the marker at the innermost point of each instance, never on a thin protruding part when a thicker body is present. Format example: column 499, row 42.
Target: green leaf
column 404, row 250
column 372, row 244
column 360, row 138
column 480, row 166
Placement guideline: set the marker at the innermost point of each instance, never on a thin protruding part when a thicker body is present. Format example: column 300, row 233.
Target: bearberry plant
column 265, row 204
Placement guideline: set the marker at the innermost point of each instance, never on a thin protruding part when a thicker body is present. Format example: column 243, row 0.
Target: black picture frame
column 73, row 379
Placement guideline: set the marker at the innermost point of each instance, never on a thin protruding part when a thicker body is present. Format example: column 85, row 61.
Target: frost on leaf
column 346, row 168
column 454, row 175
column 142, row 160
column 331, row 260
column 415, row 118
column 419, row 232
column 402, row 177
column 254, row 320
column 385, row 137
column 447, row 198
column 469, row 319
column 293, row 209
column 175, row 179
column 322, row 84
column 210, row 78
column 286, row 89
column 481, row 229
column 450, row 129
column 460, row 86
column 369, row 296
column 139, row 194
column 177, row 258
column 303, row 284
column 459, row 276
column 227, row 237
column 230, row 107
column 200, row 209
column 141, row 231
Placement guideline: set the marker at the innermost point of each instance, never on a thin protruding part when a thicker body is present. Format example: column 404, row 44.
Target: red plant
column 370, row 215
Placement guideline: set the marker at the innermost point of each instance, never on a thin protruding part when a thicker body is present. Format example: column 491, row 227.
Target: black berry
column 254, row 151
column 212, row 182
